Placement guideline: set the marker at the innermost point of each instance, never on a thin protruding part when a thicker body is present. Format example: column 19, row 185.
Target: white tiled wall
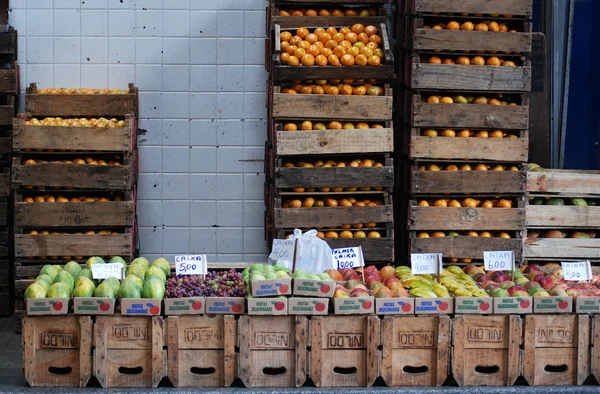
column 199, row 65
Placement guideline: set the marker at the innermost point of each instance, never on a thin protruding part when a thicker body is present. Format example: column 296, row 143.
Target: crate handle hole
column 131, row 371
column 202, row 371
column 488, row 370
column 345, row 371
column 415, row 370
column 59, row 370
column 556, row 368
column 274, row 371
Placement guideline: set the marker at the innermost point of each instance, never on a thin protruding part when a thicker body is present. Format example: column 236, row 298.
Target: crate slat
column 555, row 216
column 429, row 39
column 466, row 247
column 505, row 7
column 27, row 245
column 464, row 219
column 460, row 182
column 301, row 217
column 572, row 182
column 558, row 248
column 334, row 177
column 83, row 214
column 335, row 142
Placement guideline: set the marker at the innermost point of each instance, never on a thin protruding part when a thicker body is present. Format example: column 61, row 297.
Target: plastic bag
column 313, row 255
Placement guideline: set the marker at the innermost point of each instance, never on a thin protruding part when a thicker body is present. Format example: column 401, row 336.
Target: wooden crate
column 466, row 219
column 344, row 350
column 81, row 105
column 521, row 8
column 506, row 150
column 486, row 350
column 328, row 107
column 57, row 351
column 461, row 182
column 8, row 45
column 564, row 183
column 119, row 139
column 201, row 350
column 383, row 72
column 273, row 351
column 415, row 350
column 556, row 349
column 74, row 214
column 467, row 116
column 566, row 249
column 78, row 176
column 421, row 75
column 464, row 247
column 129, row 351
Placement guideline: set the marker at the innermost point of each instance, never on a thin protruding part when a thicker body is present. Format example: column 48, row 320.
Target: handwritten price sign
column 105, row 271
column 426, row 263
column 577, row 270
column 348, row 257
column 283, row 249
column 191, row 265
column 499, row 261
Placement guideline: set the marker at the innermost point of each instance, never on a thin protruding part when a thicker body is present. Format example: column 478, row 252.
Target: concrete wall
column 199, row 65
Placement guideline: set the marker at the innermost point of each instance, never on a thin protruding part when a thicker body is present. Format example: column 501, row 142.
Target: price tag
column 191, row 265
column 111, row 270
column 577, row 270
column 283, row 249
column 348, row 257
column 426, row 263
column 499, row 261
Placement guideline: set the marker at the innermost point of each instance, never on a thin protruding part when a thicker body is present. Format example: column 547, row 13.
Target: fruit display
column 80, row 91
column 307, row 125
column 329, row 12
column 483, row 234
column 78, row 122
column 61, row 198
column 452, row 283
column 467, row 133
column 355, row 46
column 467, row 167
column 533, row 234
column 214, row 284
column 78, row 160
column 493, row 26
column 336, row 87
column 474, row 61
column 481, row 100
column 467, row 203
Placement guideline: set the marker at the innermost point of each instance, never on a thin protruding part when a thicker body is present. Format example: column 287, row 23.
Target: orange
column 371, row 30
column 362, row 126
column 451, row 167
column 330, row 44
column 299, row 53
column 358, row 28
column 433, row 167
column 337, row 37
column 310, row 13
column 312, row 38
column 347, row 60
column 350, row 13
column 334, row 126
column 291, row 49
column 438, row 234
column 313, row 50
column 469, row 203
column 480, row 100
column 360, row 60
column 285, row 36
column 337, row 13
column 353, row 51
column 339, row 51
column 326, row 52
column 331, row 234
column 50, row 199
column 463, row 60
column 503, row 28
column 472, row 234
column 331, row 31
column 39, row 199
column 493, row 26
column 440, row 203
column 496, row 134
column 446, row 100
column 375, row 39
column 464, row 134
column 368, row 52
column 346, row 89
column 448, row 61
column 478, row 61
column 321, row 60
column 374, row 47
column 29, row 162
column 302, row 32
column 493, row 61
column 430, row 133
column 508, row 63
column 332, row 90
column 284, row 13
column 503, row 235
column 454, row 204
column 481, row 27
column 348, row 126
column 504, row 204
column 308, row 202
column 494, row 102
column 295, row 40
column 453, row 26
column 319, row 31
column 308, row 60
column 422, row 235
column 318, row 90
column 293, row 61
column 374, row 234
column 448, row 133
column 482, row 134
column 28, row 199
column 433, row 100
column 346, row 234
column 434, row 60
column 364, row 38
column 332, row 59
column 284, row 57
column 305, row 89
column 467, row 26
column 481, row 167
column 351, row 37
column 290, row 127
column 346, row 44
column 497, row 168
column 465, row 167
column 306, row 125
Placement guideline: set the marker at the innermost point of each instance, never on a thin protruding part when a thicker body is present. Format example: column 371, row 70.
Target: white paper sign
column 191, row 265
column 577, row 270
column 111, row 270
column 499, row 261
column 283, row 249
column 426, row 263
column 348, row 257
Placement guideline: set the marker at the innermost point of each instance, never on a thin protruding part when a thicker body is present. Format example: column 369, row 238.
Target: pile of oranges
column 345, row 234
column 81, row 91
column 334, row 163
column 470, row 26
column 475, row 61
column 465, row 100
column 483, row 234
column 467, row 133
column 336, row 87
column 87, row 160
column 466, row 203
column 310, row 202
column 330, row 12
column 358, row 46
column 78, row 122
column 334, row 125
column 468, row 167
column 49, row 198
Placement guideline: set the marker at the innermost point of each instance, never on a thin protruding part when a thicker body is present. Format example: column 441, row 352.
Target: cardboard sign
column 313, row 288
column 225, row 305
column 434, row 306
column 474, row 305
column 185, row 306
column 93, row 306
column 576, row 270
column 191, row 265
column 499, row 260
column 552, row 304
column 271, row 287
column 426, row 263
column 308, row 306
column 348, row 257
column 267, row 306
column 513, row 305
column 110, row 270
column 394, row 306
column 354, row 306
column 283, row 249
column 141, row 306
column 47, row 306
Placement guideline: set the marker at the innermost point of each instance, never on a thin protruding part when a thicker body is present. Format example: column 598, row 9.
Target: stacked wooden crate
column 319, row 173
column 467, row 70
column 9, row 90
column 75, row 185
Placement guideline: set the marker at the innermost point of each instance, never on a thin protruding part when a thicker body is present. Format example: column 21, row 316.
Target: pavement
column 11, row 380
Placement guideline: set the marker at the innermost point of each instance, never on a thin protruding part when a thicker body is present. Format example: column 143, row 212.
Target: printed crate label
column 313, row 288
column 141, row 306
column 225, row 305
column 587, row 305
column 394, row 306
column 267, row 306
column 93, row 306
column 552, row 304
column 354, row 306
column 47, row 306
column 271, row 287
column 185, row 306
column 308, row 306
column 476, row 305
column 513, row 305
column 434, row 306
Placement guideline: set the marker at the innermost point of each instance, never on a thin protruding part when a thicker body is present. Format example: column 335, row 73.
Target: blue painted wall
column 583, row 121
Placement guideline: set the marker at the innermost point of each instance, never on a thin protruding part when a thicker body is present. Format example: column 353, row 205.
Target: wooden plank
column 83, row 214
column 511, row 7
column 8, row 81
column 373, row 343
column 583, row 348
column 572, row 182
column 504, row 117
column 489, row 149
column 458, row 219
column 327, row 107
column 300, row 344
column 335, row 142
column 294, row 73
column 429, row 39
column 229, row 354
column 334, row 177
column 515, row 339
column 8, row 45
column 556, row 216
column 244, row 365
column 27, row 245
column 374, row 249
column 316, row 352
column 81, row 105
column 460, row 77
column 461, row 182
column 301, row 217
column 7, row 113
column 557, row 248
column 595, row 340
column 466, row 247
column 444, row 349
column 80, row 176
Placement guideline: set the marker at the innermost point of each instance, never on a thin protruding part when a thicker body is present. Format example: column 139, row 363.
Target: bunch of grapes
column 214, row 284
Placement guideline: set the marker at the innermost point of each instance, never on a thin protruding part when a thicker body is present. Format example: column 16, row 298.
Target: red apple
column 547, row 283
